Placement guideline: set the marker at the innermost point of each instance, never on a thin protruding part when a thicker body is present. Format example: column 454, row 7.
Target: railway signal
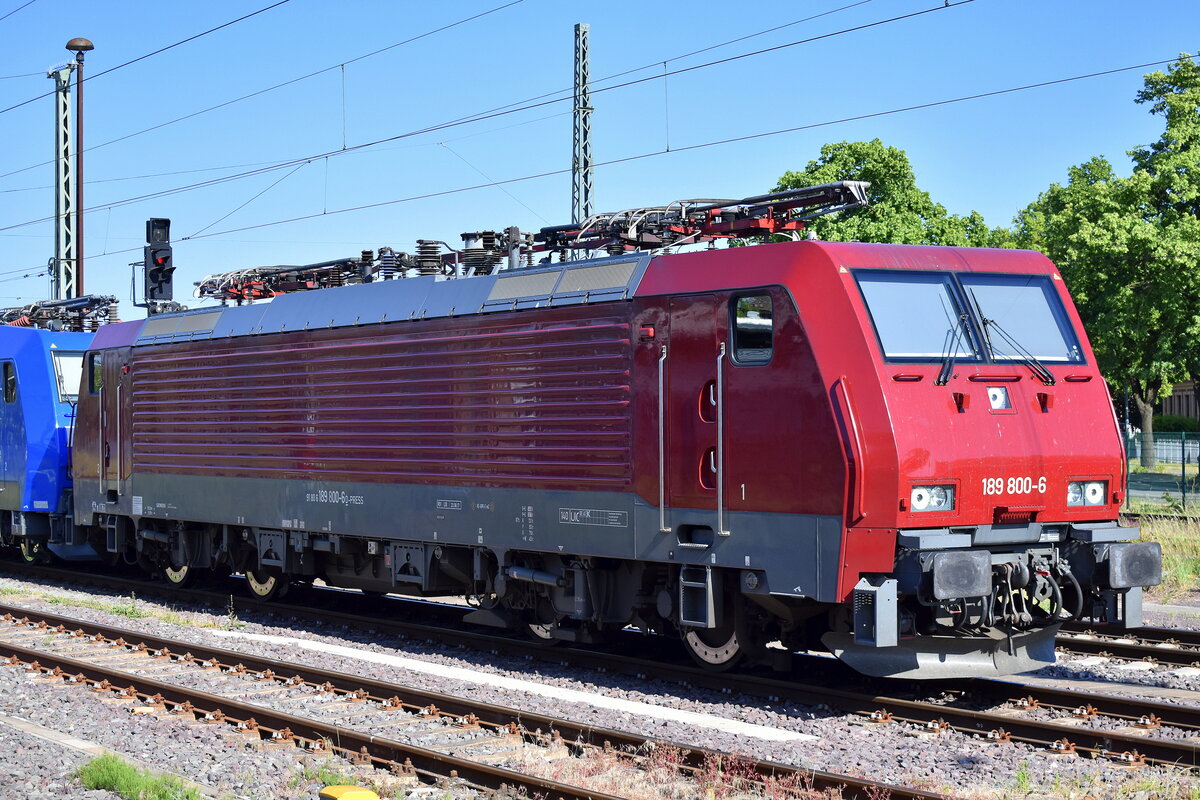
column 158, row 264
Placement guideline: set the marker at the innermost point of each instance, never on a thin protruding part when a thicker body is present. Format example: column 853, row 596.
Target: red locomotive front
column 945, row 406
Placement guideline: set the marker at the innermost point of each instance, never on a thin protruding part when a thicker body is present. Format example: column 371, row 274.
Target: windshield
column 67, row 369
column 916, row 315
column 1029, row 313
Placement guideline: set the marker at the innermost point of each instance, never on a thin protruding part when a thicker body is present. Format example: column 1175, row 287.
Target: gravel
column 952, row 763
column 40, row 768
column 213, row 756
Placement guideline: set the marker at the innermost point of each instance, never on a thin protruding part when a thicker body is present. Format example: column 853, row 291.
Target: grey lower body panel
column 937, row 657
column 794, row 554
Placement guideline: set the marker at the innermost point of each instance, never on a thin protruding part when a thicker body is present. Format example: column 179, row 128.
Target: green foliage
column 1174, row 423
column 899, row 212
column 1129, row 248
column 1023, row 780
column 111, row 772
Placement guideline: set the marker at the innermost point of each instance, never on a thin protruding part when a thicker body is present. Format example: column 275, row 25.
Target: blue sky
column 993, row 154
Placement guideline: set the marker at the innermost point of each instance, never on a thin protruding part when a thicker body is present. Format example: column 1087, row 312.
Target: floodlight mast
column 62, row 265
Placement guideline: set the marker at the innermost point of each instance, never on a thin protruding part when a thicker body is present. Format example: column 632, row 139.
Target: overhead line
column 248, row 202
column 15, row 10
column 593, row 83
column 276, row 86
column 703, row 145
column 444, row 126
column 274, row 163
column 661, row 75
column 154, row 53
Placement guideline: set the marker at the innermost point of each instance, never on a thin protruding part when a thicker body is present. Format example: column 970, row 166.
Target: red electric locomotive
column 904, row 455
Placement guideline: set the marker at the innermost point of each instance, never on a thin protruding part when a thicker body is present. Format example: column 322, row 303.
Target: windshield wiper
column 1024, row 356
column 950, row 350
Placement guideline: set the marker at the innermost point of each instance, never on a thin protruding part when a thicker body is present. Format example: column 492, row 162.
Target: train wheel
column 540, row 632
column 540, row 622
column 179, row 576
column 33, row 551
column 266, row 585
column 716, row 649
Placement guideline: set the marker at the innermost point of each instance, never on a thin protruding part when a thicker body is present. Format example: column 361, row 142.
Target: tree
column 1129, row 249
column 899, row 212
column 1173, row 163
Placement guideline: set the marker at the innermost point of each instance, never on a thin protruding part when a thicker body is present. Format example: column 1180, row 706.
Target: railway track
column 1173, row 646
column 108, row 659
column 1167, row 646
column 1126, row 731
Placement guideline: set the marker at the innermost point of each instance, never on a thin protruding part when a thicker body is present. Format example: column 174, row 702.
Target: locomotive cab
column 1008, row 471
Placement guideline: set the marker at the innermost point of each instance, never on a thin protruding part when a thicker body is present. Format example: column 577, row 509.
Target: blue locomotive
column 41, row 362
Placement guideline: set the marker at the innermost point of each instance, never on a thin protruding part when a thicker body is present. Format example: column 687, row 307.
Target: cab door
column 12, row 439
column 115, row 420
column 695, row 345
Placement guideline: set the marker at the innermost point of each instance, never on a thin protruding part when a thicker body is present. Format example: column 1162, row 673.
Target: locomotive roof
column 568, row 283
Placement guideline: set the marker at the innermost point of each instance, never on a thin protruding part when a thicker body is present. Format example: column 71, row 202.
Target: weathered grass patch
column 114, row 774
column 1180, row 540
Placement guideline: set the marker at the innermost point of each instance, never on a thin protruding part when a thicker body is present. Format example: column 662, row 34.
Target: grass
column 126, row 607
column 1164, row 468
column 114, row 774
column 1180, row 540
column 122, row 608
column 326, row 774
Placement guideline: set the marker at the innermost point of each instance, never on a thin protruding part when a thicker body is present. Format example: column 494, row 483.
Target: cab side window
column 95, row 373
column 753, row 329
column 10, row 382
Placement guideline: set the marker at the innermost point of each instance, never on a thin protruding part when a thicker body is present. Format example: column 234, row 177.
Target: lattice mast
column 581, row 131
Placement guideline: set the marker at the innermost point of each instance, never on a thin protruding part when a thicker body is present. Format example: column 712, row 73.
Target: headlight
column 1087, row 493
column 932, row 498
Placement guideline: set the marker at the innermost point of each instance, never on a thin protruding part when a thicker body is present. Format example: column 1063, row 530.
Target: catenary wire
column 289, row 82
column 251, row 200
column 703, row 145
column 429, row 33
column 18, row 8
column 444, row 126
column 630, row 71
column 153, row 53
column 276, row 163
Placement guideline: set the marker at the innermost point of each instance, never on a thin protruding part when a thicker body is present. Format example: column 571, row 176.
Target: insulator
column 481, row 251
column 366, row 267
column 387, row 263
column 615, row 248
column 528, row 245
column 429, row 257
column 113, row 314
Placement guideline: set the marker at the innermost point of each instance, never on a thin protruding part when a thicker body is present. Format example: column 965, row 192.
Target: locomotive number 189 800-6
column 1022, row 485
